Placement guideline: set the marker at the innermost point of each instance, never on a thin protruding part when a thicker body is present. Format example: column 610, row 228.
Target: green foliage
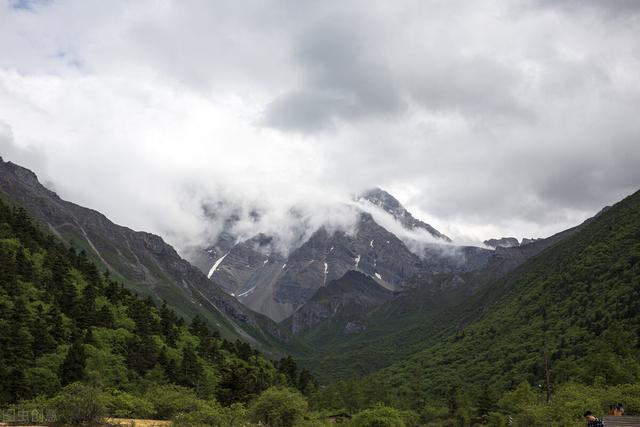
column 379, row 416
column 72, row 368
column 169, row 400
column 121, row 404
column 212, row 414
column 64, row 323
column 78, row 405
column 279, row 407
column 578, row 301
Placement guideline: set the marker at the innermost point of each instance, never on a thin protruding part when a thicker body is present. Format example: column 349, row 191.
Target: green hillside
column 68, row 332
column 578, row 301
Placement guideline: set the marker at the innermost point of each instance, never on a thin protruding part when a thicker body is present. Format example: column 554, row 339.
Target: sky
column 485, row 118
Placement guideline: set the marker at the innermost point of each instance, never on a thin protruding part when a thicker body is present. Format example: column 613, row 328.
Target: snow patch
column 326, row 269
column 247, row 292
column 331, row 250
column 378, row 276
column 357, row 261
column 371, row 243
column 216, row 265
column 284, row 265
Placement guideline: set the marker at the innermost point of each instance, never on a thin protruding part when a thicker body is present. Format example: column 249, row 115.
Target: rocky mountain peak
column 503, row 242
column 385, row 201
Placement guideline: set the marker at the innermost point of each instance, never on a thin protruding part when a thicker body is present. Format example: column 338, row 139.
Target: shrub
column 125, row 405
column 170, row 400
column 379, row 416
column 78, row 405
column 279, row 407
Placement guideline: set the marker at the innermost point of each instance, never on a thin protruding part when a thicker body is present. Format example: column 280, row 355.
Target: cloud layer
column 485, row 118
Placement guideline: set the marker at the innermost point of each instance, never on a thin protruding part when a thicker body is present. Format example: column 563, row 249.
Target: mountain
column 392, row 206
column 503, row 242
column 410, row 321
column 508, row 242
column 343, row 303
column 277, row 285
column 578, row 301
column 70, row 333
column 142, row 261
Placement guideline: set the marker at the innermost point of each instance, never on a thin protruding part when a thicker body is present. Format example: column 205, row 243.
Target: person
column 592, row 421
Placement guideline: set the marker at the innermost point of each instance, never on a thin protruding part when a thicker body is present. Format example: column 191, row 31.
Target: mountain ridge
column 142, row 260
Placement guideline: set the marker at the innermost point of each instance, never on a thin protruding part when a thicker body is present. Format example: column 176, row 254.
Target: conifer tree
column 190, row 369
column 72, row 368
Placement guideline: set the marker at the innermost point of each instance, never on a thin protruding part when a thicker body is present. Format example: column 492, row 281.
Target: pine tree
column 306, row 382
column 72, row 368
column 190, row 369
column 104, row 317
column 16, row 384
column 142, row 353
column 289, row 368
column 43, row 342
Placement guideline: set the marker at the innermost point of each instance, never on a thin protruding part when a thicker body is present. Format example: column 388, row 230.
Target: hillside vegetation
column 71, row 335
column 578, row 302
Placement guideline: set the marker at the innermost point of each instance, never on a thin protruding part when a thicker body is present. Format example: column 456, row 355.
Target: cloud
column 23, row 155
column 485, row 118
column 617, row 8
column 341, row 81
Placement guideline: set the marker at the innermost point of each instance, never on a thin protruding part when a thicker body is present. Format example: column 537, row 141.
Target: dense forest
column 574, row 308
column 75, row 342
column 70, row 335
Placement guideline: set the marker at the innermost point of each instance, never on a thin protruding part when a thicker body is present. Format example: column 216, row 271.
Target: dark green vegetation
column 142, row 261
column 406, row 324
column 464, row 349
column 71, row 335
column 577, row 301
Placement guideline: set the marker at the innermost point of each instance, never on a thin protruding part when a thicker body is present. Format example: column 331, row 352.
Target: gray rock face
column 276, row 286
column 526, row 241
column 504, row 242
column 141, row 260
column 391, row 205
column 266, row 282
column 343, row 301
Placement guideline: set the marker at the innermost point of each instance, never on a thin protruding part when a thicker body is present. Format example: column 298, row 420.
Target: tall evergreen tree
column 190, row 369
column 73, row 366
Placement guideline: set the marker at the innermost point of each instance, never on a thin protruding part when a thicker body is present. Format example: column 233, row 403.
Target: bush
column 42, row 381
column 125, row 405
column 279, row 407
column 380, row 416
column 78, row 405
column 213, row 415
column 170, row 400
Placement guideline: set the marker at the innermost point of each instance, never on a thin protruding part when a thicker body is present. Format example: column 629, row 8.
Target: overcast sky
column 485, row 118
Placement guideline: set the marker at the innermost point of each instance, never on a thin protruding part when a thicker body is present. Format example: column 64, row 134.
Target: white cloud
column 486, row 118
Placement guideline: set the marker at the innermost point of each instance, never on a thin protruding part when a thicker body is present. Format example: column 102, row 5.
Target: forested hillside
column 142, row 261
column 68, row 331
column 578, row 302
column 70, row 334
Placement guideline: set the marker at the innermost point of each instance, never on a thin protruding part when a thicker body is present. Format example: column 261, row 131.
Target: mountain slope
column 143, row 261
column 339, row 307
column 276, row 285
column 63, row 323
column 392, row 206
column 266, row 282
column 578, row 300
column 415, row 318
